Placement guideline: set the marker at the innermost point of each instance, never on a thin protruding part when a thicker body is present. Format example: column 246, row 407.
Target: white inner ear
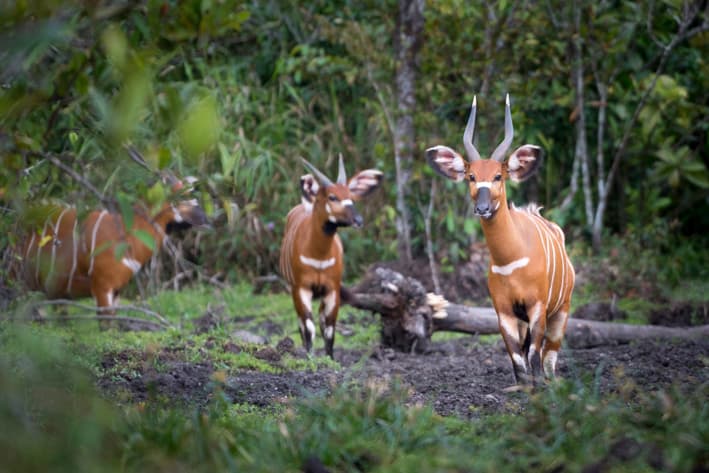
column 513, row 163
column 310, row 188
column 456, row 164
column 450, row 162
column 364, row 180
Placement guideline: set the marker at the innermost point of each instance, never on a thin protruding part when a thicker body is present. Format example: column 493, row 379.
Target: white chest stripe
column 509, row 268
column 132, row 264
column 317, row 263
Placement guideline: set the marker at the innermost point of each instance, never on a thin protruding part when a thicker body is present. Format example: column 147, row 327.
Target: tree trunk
column 409, row 36
column 581, row 150
column 689, row 15
column 410, row 316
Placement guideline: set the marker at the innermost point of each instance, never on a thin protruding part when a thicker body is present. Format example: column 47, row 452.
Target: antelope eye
column 333, row 198
column 472, row 178
column 498, row 177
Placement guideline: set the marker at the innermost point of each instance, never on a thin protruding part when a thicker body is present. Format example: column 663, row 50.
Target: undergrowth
column 53, row 420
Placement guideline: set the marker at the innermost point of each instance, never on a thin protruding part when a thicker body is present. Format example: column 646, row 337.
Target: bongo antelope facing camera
column 531, row 277
column 311, row 253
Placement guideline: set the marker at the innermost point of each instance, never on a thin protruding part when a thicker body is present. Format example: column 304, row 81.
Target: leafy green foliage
column 235, row 93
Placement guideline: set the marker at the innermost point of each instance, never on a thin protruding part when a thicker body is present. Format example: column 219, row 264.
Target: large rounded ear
column 364, row 183
column 309, row 188
column 446, row 162
column 524, row 162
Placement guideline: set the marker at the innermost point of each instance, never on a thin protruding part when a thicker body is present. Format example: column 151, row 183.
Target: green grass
column 238, row 309
column 53, row 420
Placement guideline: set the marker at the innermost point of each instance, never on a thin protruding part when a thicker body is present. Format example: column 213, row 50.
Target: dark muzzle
column 483, row 203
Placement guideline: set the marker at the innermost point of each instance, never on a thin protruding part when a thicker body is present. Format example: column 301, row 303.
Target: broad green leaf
column 145, row 238
column 156, row 194
column 227, row 160
column 115, row 46
column 450, row 221
column 120, row 249
column 200, row 127
column 125, row 204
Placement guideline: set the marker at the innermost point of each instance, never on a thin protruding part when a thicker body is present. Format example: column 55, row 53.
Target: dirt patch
column 461, row 377
column 132, row 376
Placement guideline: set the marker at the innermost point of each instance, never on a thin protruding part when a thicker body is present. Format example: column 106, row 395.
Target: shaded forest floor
column 462, row 376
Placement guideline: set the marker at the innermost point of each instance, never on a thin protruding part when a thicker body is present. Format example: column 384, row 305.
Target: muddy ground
column 463, row 377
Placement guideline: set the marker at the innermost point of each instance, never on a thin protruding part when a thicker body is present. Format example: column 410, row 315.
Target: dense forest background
column 235, row 92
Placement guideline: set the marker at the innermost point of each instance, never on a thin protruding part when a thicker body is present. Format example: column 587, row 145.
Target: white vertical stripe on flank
column 552, row 257
column 75, row 240
column 562, row 286
column 29, row 247
column 550, row 253
column 542, row 240
column 39, row 249
column 28, row 261
column 94, row 232
column 54, row 249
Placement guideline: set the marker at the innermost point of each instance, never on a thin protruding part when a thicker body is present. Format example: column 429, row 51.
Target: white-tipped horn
column 322, row 178
column 499, row 153
column 341, row 174
column 470, row 132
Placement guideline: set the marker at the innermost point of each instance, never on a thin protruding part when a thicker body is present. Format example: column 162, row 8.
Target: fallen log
column 580, row 333
column 410, row 316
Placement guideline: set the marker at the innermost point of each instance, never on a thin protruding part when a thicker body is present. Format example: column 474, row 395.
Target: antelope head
column 486, row 177
column 336, row 199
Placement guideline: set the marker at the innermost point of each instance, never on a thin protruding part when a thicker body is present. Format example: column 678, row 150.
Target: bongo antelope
column 311, row 258
column 531, row 277
column 99, row 256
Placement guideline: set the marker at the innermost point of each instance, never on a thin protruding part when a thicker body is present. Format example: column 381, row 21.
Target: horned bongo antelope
column 531, row 276
column 97, row 257
column 311, row 257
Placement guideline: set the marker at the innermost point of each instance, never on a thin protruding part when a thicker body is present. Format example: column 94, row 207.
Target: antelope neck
column 321, row 235
column 502, row 237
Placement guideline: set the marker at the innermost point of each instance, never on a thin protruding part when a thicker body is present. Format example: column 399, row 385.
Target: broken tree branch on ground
column 410, row 316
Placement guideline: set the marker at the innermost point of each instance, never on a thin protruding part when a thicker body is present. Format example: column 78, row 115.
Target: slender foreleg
column 328, row 317
column 302, row 300
column 556, row 326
